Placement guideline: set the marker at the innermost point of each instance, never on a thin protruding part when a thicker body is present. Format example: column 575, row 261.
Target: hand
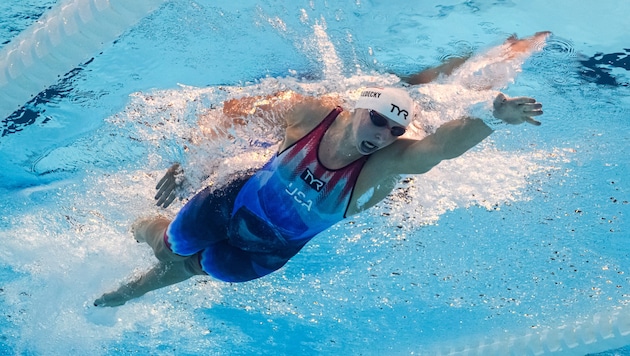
column 167, row 186
column 516, row 111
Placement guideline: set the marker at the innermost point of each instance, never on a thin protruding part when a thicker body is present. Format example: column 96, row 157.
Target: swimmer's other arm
column 247, row 106
column 454, row 138
column 284, row 109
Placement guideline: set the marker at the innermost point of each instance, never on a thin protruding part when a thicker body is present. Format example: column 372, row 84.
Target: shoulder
column 384, row 168
column 305, row 115
column 311, row 110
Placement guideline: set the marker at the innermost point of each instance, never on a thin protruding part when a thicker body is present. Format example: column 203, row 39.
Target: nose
column 381, row 135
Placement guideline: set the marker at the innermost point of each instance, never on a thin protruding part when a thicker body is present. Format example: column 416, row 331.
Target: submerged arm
column 449, row 141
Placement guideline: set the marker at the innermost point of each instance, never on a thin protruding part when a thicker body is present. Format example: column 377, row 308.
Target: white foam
column 70, row 242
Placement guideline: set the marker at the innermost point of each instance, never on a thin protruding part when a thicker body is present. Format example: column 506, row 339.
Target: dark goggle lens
column 380, row 121
column 377, row 119
column 398, row 131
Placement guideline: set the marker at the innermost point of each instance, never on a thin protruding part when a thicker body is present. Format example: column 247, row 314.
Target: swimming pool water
column 521, row 240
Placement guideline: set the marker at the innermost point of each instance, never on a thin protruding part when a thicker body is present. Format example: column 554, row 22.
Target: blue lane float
column 66, row 36
column 604, row 331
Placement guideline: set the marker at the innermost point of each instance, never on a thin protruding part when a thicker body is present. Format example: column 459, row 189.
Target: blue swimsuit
column 254, row 225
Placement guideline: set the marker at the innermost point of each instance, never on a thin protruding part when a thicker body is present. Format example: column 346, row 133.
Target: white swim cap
column 394, row 104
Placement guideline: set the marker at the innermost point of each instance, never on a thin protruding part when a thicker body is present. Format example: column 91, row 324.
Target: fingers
column 523, row 100
column 529, row 107
column 519, row 109
column 161, row 198
column 532, row 109
column 170, row 199
column 163, row 180
column 167, row 186
column 529, row 120
column 170, row 173
column 166, row 199
column 532, row 112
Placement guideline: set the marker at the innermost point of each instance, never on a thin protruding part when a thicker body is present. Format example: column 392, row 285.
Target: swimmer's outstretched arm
column 162, row 275
column 431, row 74
column 511, row 48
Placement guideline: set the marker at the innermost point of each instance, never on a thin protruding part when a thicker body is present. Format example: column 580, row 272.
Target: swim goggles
column 380, row 121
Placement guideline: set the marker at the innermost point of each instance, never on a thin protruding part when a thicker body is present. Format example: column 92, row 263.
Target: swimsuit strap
column 318, row 131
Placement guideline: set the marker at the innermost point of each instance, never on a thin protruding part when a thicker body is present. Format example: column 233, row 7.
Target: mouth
column 367, row 147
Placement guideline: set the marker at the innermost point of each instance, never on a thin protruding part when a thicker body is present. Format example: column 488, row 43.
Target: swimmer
column 332, row 164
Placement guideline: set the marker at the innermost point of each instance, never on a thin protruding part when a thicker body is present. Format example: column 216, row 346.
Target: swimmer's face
column 374, row 131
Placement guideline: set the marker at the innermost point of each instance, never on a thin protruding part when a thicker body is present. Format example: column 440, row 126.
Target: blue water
column 521, row 238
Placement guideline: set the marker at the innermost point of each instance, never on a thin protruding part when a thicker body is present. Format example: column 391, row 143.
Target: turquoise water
column 520, row 242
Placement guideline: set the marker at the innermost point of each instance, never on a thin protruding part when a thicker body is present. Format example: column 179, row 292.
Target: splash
column 69, row 242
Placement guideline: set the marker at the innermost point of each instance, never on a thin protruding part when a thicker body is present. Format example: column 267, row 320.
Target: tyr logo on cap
column 405, row 113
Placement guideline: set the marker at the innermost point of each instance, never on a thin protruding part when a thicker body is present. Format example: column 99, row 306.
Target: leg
column 162, row 275
column 171, row 269
column 152, row 231
column 201, row 223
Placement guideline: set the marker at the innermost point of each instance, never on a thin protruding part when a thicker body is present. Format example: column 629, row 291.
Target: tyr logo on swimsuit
column 312, row 181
